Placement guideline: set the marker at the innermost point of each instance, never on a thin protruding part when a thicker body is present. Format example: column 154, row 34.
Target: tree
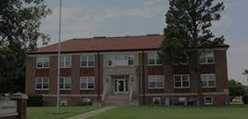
column 235, row 89
column 187, row 31
column 20, row 23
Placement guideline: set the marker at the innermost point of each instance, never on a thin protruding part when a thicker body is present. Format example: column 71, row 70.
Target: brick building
column 123, row 70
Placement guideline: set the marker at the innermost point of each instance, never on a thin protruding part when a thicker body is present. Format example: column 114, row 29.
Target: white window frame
column 156, row 98
column 64, row 58
column 87, row 78
column 87, row 60
column 208, row 80
column 203, row 54
column 206, row 103
column 42, row 83
column 42, row 59
column 113, row 58
column 64, row 83
column 181, row 80
column 155, row 79
column 153, row 56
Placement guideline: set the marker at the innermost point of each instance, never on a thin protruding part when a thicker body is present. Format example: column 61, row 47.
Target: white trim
column 70, row 95
column 212, row 100
column 155, row 57
column 181, row 80
column 42, row 57
column 120, row 52
column 87, row 82
column 64, row 83
column 156, row 98
column 87, row 61
column 42, row 83
column 156, row 77
column 64, row 61
column 183, row 94
column 208, row 81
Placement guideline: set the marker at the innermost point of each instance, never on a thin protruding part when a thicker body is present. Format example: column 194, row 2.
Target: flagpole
column 58, row 77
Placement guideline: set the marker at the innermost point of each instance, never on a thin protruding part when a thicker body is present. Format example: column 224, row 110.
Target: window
column 206, row 57
column 208, row 80
column 208, row 100
column 153, row 59
column 42, row 62
column 87, row 83
column 87, row 60
column 120, row 59
column 156, row 100
column 155, row 81
column 181, row 81
column 65, row 83
column 65, row 61
column 42, row 83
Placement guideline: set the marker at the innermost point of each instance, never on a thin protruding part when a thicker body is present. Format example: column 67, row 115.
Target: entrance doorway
column 121, row 86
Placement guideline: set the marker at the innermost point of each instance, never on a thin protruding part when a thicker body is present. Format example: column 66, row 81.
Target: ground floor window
column 208, row 100
column 155, row 81
column 65, row 83
column 42, row 83
column 87, row 83
column 156, row 100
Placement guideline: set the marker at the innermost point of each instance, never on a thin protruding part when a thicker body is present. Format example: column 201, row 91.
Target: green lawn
column 162, row 112
column 48, row 112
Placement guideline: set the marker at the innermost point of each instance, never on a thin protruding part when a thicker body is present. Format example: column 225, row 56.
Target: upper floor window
column 120, row 59
column 206, row 57
column 87, row 83
column 65, row 61
column 155, row 81
column 65, row 83
column 87, row 60
column 208, row 80
column 181, row 81
column 42, row 62
column 42, row 83
column 153, row 59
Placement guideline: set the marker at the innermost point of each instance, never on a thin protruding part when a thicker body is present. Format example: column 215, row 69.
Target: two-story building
column 123, row 69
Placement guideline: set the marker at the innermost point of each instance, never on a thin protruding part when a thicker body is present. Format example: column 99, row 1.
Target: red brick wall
column 30, row 75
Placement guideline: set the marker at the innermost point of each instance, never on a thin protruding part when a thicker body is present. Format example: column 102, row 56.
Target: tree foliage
column 235, row 89
column 188, row 30
column 20, row 30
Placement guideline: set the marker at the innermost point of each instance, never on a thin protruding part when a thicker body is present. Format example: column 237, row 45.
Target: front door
column 120, row 86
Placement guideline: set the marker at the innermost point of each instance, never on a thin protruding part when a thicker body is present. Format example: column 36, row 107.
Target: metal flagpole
column 58, row 77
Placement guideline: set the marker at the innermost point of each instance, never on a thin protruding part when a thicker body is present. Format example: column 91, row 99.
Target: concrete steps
column 118, row 100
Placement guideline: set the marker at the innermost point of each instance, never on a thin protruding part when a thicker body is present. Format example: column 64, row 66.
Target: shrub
column 35, row 100
column 245, row 99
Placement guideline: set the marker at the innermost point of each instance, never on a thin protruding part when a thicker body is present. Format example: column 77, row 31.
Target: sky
column 89, row 18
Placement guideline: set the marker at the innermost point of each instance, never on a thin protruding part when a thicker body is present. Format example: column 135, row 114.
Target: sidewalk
column 91, row 113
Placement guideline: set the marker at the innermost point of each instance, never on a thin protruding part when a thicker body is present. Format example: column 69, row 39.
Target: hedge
column 35, row 100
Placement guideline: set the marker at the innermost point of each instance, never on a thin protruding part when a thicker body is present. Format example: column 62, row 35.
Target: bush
column 35, row 100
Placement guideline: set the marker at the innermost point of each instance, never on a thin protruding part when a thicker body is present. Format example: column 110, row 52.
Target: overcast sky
column 89, row 18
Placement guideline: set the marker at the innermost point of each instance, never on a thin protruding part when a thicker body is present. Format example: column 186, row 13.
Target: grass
column 48, row 112
column 163, row 112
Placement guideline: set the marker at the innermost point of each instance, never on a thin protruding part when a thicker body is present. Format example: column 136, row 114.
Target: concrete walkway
column 91, row 113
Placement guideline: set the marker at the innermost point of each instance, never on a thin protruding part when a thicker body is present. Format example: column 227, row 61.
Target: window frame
column 155, row 57
column 42, row 83
column 87, row 82
column 114, row 57
column 64, row 83
column 205, row 100
column 208, row 80
column 64, row 58
column 206, row 57
column 181, row 81
column 156, row 81
column 87, row 60
column 42, row 58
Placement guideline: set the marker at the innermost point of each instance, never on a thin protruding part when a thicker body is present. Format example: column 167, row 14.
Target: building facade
column 124, row 69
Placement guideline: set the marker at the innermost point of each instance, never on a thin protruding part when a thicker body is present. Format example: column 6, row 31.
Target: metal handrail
column 104, row 93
